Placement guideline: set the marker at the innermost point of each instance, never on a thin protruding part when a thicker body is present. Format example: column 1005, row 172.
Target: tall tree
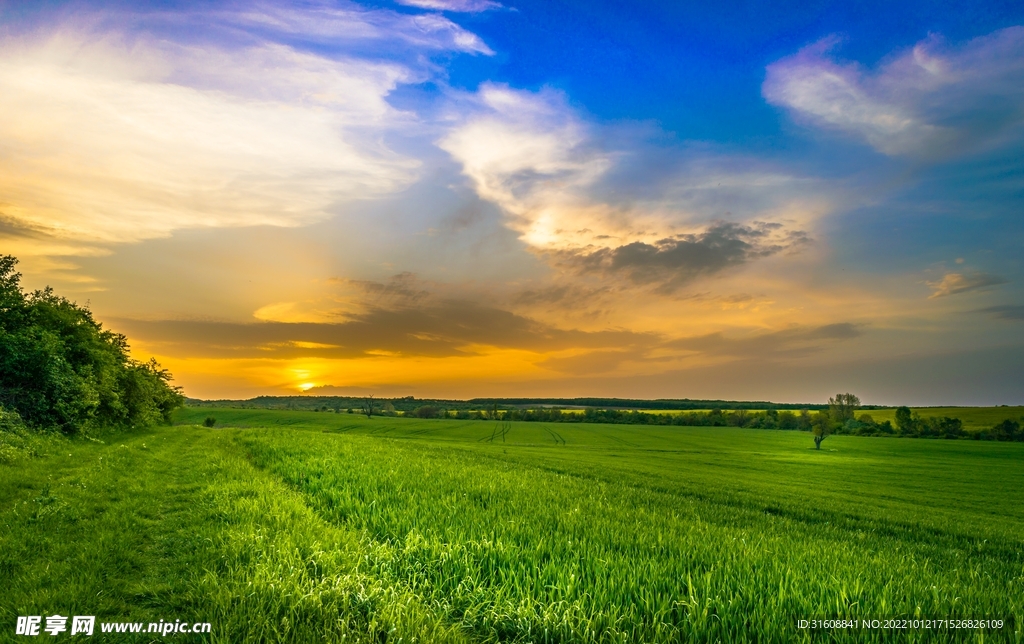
column 843, row 407
column 905, row 421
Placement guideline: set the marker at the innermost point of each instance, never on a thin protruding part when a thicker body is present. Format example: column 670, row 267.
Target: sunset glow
column 483, row 199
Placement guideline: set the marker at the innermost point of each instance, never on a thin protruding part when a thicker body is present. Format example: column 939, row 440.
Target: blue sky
column 663, row 200
column 694, row 69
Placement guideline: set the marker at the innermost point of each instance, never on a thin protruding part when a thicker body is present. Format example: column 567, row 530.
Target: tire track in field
column 488, row 439
column 344, row 429
column 620, row 440
column 555, row 436
column 423, row 431
column 500, row 430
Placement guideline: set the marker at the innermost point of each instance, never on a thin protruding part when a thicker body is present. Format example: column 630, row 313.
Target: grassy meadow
column 322, row 527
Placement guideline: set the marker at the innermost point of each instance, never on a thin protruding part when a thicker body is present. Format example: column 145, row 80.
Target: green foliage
column 16, row 440
column 904, row 421
column 911, row 424
column 10, row 422
column 823, row 426
column 973, row 419
column 369, row 407
column 210, row 421
column 61, row 369
column 843, row 407
column 1007, row 430
column 426, row 411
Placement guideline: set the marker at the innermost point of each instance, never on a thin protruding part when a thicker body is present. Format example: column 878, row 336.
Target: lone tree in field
column 841, row 409
column 822, row 426
column 368, row 407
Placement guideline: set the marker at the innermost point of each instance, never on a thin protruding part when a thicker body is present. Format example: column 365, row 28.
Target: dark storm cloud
column 438, row 330
column 672, row 262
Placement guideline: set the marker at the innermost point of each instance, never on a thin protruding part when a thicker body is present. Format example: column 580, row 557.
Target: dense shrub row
column 1008, row 430
column 908, row 424
column 770, row 419
column 60, row 369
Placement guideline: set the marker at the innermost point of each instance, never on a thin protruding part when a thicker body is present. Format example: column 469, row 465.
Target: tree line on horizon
column 410, row 403
column 829, row 417
column 838, row 417
column 702, row 413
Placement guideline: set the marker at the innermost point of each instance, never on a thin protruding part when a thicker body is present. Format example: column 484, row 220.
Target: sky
column 463, row 198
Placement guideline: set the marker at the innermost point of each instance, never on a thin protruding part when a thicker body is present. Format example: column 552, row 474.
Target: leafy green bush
column 1008, row 430
column 427, row 411
column 18, row 441
column 12, row 436
column 60, row 369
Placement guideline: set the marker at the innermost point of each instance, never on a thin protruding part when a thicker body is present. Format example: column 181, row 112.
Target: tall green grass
column 711, row 541
column 177, row 524
column 320, row 527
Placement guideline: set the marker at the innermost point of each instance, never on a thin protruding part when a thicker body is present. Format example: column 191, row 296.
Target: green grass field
column 322, row 527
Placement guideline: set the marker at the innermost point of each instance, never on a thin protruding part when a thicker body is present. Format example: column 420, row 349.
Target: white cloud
column 529, row 154
column 929, row 100
column 122, row 126
column 466, row 6
column 109, row 140
column 332, row 23
column 532, row 155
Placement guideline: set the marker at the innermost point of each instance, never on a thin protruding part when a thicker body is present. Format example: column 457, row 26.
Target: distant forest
column 410, row 404
column 836, row 417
